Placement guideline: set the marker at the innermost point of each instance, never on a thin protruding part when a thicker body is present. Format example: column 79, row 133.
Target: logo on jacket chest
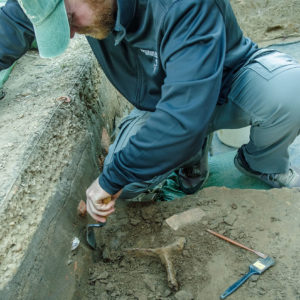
column 154, row 56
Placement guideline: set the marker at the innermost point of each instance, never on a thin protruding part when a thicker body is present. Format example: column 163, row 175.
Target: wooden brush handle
column 236, row 243
column 106, row 201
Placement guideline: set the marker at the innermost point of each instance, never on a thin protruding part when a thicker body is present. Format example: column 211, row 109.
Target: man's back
column 135, row 64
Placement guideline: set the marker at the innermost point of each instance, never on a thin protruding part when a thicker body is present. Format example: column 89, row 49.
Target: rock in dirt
column 135, row 221
column 148, row 213
column 184, row 295
column 187, row 217
column 103, row 275
column 254, row 278
column 103, row 296
column 234, row 206
column 261, row 291
column 230, row 219
column 107, row 254
column 81, row 209
column 150, row 284
column 141, row 297
column 167, row 293
column 114, row 295
column 123, row 298
column 251, row 284
column 109, row 287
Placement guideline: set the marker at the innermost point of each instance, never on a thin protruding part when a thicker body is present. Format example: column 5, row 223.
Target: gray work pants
column 265, row 94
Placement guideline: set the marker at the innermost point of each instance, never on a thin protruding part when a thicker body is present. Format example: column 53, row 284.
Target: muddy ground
column 264, row 220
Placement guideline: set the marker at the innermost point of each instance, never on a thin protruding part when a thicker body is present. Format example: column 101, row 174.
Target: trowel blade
column 90, row 234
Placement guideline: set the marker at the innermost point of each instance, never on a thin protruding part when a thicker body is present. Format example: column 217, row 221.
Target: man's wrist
column 107, row 186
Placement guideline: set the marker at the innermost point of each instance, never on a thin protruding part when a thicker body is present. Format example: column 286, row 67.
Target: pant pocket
column 272, row 64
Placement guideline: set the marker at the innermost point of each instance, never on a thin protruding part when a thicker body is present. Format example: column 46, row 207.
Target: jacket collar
column 125, row 13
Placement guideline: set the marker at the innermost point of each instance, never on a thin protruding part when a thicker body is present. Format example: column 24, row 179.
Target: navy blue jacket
column 175, row 58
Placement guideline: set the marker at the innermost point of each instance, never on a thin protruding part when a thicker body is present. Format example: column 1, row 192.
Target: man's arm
column 192, row 53
column 16, row 33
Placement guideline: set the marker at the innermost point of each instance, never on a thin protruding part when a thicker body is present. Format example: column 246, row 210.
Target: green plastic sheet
column 222, row 173
column 4, row 74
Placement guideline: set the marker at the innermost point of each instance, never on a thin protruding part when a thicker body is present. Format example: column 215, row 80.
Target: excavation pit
column 50, row 152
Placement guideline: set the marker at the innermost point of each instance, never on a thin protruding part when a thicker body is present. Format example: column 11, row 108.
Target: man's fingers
column 105, row 207
column 94, row 211
column 99, row 219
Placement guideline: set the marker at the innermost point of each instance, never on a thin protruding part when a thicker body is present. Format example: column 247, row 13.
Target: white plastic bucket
column 234, row 137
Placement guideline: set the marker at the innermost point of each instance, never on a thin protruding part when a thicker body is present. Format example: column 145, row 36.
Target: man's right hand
column 97, row 207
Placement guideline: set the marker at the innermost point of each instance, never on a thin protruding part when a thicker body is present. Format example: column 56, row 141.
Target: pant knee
column 286, row 93
column 288, row 110
column 134, row 189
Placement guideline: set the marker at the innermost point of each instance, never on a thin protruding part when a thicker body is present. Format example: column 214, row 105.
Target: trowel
column 90, row 234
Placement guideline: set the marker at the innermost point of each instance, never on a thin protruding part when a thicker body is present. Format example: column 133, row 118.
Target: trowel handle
column 237, row 284
column 106, row 201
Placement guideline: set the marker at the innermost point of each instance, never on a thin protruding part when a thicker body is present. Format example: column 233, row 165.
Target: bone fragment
column 185, row 218
column 164, row 253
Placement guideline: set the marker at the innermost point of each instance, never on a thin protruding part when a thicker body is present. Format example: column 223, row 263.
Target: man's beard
column 104, row 20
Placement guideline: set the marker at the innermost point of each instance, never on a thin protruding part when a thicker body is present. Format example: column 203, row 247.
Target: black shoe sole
column 194, row 189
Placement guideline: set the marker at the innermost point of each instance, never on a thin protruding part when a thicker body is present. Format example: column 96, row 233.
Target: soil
column 40, row 136
column 265, row 220
column 268, row 21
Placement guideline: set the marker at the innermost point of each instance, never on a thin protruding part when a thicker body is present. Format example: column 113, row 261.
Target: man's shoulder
column 167, row 5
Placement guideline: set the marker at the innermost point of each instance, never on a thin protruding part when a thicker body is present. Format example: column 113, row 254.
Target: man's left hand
column 95, row 203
